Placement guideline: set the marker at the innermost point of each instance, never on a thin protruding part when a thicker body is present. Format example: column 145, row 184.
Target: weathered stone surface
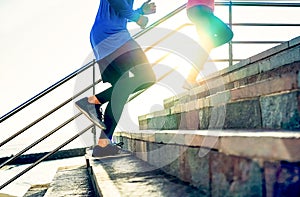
column 220, row 98
column 164, row 122
column 35, row 191
column 244, row 72
column 143, row 124
column 170, row 159
column 191, row 105
column 266, row 87
column 230, row 168
column 281, row 111
column 221, row 168
column 154, row 154
column 141, row 150
column 198, row 168
column 71, row 181
column 243, row 114
column 261, row 147
column 172, row 122
column 268, row 145
column 183, row 121
column 210, row 142
column 217, row 117
column 128, row 176
column 285, row 57
column 170, row 137
column 189, row 120
column 270, row 52
column 156, row 123
column 294, row 42
column 204, row 117
column 236, row 66
column 298, row 78
column 234, row 176
column 282, row 179
column 270, row 176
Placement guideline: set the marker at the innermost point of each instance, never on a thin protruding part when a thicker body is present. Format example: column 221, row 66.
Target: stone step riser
column 261, row 92
column 283, row 79
column 280, row 111
column 224, row 167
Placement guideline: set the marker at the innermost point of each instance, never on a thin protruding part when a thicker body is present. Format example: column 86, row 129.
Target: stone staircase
column 121, row 175
column 261, row 92
column 128, row 176
column 236, row 134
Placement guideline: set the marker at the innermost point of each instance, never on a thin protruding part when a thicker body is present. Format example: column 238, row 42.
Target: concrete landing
column 126, row 175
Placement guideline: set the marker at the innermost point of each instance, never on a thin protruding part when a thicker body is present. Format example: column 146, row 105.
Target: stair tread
column 37, row 190
column 71, row 181
column 126, row 175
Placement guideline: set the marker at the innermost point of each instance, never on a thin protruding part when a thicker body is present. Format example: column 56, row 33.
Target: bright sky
column 41, row 42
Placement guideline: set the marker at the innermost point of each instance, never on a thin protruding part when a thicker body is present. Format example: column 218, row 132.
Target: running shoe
column 92, row 111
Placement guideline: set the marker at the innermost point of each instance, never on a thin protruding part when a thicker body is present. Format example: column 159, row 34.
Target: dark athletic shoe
column 108, row 150
column 120, row 144
column 91, row 111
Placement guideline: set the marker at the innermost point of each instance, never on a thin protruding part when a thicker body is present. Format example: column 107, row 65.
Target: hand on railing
column 148, row 8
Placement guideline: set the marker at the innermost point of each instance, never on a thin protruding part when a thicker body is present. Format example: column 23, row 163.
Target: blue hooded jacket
column 109, row 31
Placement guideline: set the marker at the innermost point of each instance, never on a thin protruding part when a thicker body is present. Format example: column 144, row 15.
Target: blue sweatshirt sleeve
column 125, row 10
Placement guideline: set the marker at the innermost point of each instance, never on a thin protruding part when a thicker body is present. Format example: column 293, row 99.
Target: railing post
column 230, row 43
column 94, row 131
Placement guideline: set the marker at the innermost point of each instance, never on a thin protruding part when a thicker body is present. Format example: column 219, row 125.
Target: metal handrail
column 39, row 140
column 45, row 157
column 163, row 19
column 48, row 113
column 267, row 24
column 46, row 91
column 257, row 3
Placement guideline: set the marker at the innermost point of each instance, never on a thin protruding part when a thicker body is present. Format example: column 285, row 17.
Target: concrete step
column 261, row 71
column 37, row 191
column 71, row 181
column 261, row 92
column 222, row 162
column 126, row 175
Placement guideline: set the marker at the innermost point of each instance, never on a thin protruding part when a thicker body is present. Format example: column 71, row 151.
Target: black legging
column 128, row 73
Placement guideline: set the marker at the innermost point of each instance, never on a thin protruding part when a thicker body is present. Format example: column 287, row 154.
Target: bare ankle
column 103, row 142
column 93, row 100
